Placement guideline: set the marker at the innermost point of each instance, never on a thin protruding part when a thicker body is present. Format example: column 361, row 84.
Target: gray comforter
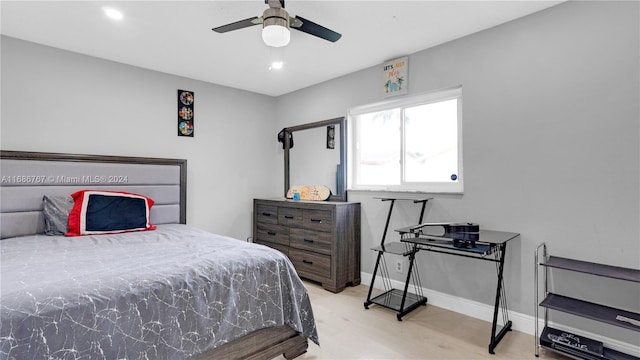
column 163, row 294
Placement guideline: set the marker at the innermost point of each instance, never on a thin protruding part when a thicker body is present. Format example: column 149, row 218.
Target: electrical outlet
column 399, row 266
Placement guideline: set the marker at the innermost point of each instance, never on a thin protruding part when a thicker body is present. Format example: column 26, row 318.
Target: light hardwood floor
column 349, row 331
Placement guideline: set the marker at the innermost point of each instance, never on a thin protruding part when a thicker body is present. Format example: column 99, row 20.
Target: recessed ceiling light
column 112, row 13
column 276, row 65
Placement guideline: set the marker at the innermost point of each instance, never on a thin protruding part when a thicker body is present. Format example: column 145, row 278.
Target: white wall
column 551, row 134
column 58, row 101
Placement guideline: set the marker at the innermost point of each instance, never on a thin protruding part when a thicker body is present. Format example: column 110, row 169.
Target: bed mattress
column 163, row 294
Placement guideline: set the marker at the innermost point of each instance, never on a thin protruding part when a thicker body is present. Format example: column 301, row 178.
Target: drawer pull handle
column 266, row 214
column 271, row 233
column 316, row 220
column 308, row 241
column 307, row 262
column 288, row 217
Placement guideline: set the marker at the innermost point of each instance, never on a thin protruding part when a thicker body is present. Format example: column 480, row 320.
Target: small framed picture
column 331, row 137
column 186, row 100
column 395, row 76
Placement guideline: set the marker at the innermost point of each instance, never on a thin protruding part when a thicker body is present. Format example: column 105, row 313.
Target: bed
column 172, row 292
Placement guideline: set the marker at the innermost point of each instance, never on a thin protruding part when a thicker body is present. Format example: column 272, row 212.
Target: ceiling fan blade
column 314, row 29
column 238, row 25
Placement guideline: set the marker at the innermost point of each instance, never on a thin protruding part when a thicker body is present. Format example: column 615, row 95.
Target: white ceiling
column 175, row 36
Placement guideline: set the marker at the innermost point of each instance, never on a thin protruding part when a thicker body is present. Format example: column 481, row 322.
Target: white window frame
column 453, row 187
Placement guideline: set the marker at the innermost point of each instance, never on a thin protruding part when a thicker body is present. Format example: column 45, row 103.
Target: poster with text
column 395, row 76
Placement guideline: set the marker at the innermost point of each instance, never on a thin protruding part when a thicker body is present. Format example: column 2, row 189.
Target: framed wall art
column 395, row 76
column 186, row 100
column 331, row 137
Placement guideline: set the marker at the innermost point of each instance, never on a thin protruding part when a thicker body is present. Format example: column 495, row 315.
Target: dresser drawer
column 288, row 216
column 283, row 249
column 311, row 265
column 320, row 220
column 311, row 240
column 267, row 214
column 272, row 233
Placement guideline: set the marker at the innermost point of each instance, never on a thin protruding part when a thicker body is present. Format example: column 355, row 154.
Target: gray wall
column 551, row 134
column 58, row 101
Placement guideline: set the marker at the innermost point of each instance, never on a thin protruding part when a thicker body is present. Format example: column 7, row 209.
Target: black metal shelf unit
column 401, row 301
column 566, row 343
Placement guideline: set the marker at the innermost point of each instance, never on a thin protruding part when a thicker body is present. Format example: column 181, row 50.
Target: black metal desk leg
column 401, row 313
column 495, row 339
column 373, row 280
column 386, row 225
column 413, row 300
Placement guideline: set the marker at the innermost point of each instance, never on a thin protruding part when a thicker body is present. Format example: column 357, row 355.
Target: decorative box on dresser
column 322, row 238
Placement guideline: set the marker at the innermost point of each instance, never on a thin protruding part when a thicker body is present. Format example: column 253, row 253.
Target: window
column 410, row 144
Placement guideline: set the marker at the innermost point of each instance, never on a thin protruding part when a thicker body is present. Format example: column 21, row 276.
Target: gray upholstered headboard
column 25, row 177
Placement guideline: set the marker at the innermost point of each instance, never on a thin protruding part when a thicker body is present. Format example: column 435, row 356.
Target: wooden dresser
column 322, row 238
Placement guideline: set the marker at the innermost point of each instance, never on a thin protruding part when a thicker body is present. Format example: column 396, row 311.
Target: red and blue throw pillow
column 108, row 212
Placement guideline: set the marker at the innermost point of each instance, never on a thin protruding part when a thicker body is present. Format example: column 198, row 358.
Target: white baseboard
column 519, row 322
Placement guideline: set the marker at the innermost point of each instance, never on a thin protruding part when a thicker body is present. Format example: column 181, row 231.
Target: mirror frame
column 341, row 172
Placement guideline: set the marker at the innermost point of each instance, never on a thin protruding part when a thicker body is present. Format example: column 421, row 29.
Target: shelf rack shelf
column 614, row 272
column 580, row 347
column 593, row 311
column 580, row 353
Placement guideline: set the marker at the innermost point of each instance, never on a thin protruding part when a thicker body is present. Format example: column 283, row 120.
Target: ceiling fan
column 276, row 23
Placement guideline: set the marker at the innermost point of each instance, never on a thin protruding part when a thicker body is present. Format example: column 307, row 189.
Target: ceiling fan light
column 112, row 13
column 276, row 35
column 276, row 65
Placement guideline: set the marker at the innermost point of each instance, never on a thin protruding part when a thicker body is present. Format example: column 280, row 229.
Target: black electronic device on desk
column 457, row 237
column 467, row 240
column 464, row 235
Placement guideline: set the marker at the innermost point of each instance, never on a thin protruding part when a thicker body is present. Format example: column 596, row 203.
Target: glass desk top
column 485, row 236
column 484, row 241
column 397, row 248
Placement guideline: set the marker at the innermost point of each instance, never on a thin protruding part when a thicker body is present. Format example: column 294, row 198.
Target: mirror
column 310, row 162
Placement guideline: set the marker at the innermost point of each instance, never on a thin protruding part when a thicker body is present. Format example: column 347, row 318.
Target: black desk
column 489, row 246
